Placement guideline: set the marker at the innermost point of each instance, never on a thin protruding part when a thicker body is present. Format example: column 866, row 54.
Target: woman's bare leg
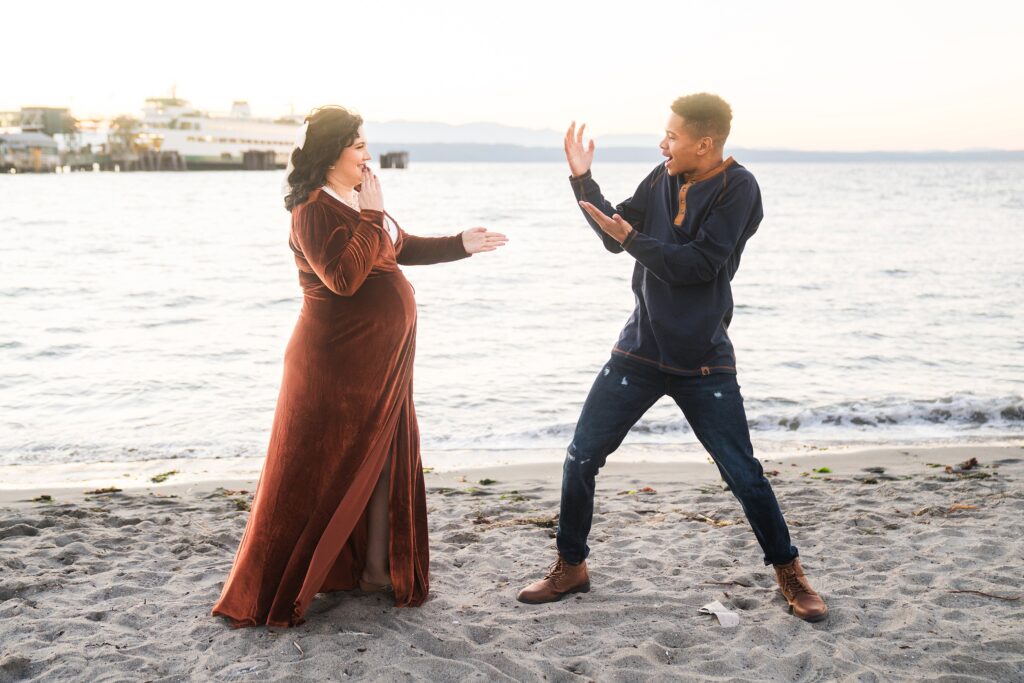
column 378, row 531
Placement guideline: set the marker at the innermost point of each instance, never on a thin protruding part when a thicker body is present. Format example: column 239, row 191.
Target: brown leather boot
column 803, row 599
column 561, row 580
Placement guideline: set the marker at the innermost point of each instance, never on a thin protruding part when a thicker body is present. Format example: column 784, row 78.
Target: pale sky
column 801, row 75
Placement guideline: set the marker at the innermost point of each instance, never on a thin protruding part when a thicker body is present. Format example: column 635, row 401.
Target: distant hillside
column 416, row 132
column 508, row 153
column 497, row 142
column 520, row 153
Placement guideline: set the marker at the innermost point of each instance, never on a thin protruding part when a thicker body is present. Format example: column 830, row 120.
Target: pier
column 259, row 160
column 142, row 160
column 394, row 160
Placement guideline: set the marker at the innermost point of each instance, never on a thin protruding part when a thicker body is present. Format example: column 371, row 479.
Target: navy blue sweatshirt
column 687, row 238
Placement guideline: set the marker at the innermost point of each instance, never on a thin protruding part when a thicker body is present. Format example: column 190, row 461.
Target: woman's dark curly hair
column 331, row 129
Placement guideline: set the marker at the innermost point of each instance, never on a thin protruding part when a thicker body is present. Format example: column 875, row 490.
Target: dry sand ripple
column 921, row 568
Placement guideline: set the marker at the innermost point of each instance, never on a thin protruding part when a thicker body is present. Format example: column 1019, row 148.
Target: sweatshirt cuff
column 580, row 178
column 629, row 238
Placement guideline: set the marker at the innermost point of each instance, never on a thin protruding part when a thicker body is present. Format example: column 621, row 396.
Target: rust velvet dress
column 345, row 405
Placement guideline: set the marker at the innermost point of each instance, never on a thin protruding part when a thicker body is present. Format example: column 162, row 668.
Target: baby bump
column 360, row 333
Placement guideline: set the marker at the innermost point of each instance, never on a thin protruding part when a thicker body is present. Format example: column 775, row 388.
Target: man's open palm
column 579, row 157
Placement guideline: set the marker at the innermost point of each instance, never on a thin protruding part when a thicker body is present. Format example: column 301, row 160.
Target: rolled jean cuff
column 572, row 558
column 795, row 554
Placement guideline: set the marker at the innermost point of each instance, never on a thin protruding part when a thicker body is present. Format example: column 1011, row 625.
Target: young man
column 686, row 226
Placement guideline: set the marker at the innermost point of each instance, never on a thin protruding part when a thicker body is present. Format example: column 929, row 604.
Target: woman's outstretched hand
column 579, row 157
column 476, row 240
column 370, row 195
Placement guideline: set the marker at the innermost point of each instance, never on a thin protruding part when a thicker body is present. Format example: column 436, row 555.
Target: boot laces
column 555, row 571
column 792, row 583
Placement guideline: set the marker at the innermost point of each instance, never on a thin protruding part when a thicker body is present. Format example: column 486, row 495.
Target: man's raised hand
column 579, row 157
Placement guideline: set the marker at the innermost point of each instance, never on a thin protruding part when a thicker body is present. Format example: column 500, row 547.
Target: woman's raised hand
column 370, row 195
column 579, row 157
column 476, row 240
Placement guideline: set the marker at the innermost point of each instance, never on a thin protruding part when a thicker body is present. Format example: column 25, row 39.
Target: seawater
column 146, row 315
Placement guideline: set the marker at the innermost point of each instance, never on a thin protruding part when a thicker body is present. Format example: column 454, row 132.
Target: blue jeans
column 623, row 391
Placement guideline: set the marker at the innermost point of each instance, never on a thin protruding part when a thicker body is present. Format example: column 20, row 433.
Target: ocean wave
column 177, row 321
column 185, row 300
column 25, row 291
column 959, row 410
column 56, row 351
column 947, row 416
column 897, row 272
column 28, row 222
column 274, row 303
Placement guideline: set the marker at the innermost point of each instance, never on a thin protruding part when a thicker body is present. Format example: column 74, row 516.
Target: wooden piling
column 258, row 160
column 394, row 160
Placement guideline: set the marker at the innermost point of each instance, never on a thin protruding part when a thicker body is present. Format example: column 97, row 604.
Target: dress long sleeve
column 340, row 254
column 422, row 251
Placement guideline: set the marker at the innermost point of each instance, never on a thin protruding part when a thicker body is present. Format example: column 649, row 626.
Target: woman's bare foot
column 375, row 581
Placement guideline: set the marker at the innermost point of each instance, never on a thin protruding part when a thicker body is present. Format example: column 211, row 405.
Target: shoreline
column 205, row 475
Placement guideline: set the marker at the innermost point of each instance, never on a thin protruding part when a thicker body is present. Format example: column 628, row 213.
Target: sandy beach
column 922, row 569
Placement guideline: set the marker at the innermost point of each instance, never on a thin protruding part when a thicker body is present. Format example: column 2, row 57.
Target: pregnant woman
column 340, row 501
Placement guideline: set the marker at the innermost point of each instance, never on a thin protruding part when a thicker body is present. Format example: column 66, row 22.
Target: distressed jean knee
column 579, row 463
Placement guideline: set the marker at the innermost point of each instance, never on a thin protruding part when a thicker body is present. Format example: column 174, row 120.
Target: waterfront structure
column 10, row 122
column 394, row 160
column 215, row 141
column 28, row 153
column 48, row 121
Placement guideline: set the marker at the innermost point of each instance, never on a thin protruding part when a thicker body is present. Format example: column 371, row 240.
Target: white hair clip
column 300, row 138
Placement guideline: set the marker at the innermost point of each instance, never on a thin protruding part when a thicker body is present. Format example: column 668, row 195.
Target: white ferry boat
column 214, row 141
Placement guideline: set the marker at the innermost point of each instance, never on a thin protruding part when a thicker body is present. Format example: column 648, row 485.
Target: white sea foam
column 949, row 417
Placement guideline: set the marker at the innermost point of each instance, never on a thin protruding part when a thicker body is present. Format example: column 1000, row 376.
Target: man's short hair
column 706, row 115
